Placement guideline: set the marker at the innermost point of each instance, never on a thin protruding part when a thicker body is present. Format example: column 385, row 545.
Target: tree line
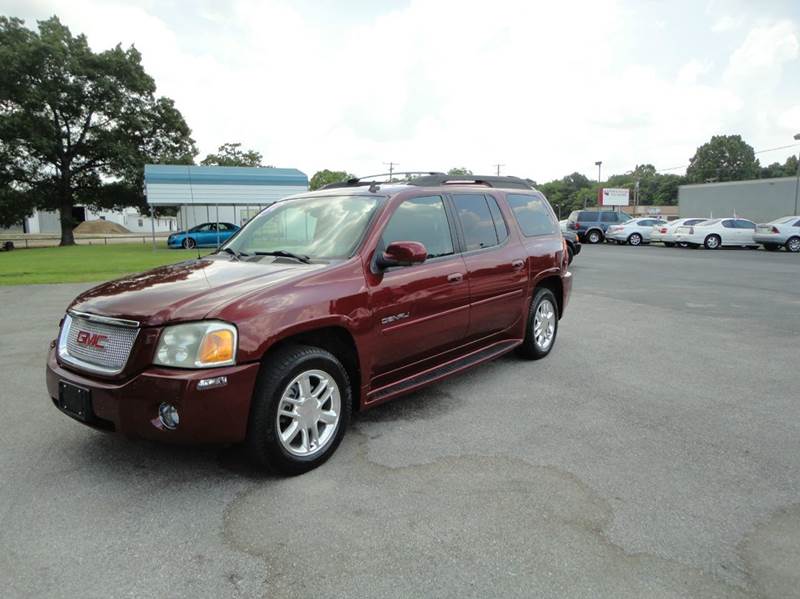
column 77, row 127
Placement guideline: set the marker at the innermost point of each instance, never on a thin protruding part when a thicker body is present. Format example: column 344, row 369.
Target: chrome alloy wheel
column 544, row 325
column 793, row 245
column 308, row 413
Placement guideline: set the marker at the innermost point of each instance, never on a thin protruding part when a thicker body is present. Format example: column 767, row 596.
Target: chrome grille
column 109, row 355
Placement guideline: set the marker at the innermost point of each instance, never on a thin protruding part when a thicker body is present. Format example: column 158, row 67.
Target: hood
column 188, row 290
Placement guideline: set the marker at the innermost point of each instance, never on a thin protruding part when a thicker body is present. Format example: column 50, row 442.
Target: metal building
column 225, row 193
column 760, row 200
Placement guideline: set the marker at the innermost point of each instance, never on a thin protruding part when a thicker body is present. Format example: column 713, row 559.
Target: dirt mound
column 99, row 227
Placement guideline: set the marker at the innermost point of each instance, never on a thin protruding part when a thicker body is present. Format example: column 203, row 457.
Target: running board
column 440, row 372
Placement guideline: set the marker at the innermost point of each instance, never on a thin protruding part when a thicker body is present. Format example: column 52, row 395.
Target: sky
column 543, row 88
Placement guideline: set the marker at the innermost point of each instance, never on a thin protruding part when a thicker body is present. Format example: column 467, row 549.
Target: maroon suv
column 324, row 303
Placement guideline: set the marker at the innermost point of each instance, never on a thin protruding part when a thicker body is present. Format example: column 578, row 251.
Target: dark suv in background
column 591, row 225
column 324, row 303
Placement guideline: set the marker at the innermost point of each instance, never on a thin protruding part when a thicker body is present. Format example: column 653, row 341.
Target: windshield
column 317, row 227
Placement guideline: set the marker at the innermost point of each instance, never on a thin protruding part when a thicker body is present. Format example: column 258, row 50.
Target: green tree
column 723, row 158
column 459, row 171
column 324, row 177
column 231, row 154
column 78, row 126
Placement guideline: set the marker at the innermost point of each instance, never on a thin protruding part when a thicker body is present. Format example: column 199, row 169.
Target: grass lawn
column 81, row 263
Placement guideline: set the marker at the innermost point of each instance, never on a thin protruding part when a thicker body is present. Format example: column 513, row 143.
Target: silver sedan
column 635, row 232
column 783, row 231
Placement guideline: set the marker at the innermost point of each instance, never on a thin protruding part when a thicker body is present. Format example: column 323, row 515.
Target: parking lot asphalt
column 654, row 453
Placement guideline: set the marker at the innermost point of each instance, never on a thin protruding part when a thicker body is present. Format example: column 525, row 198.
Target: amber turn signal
column 217, row 346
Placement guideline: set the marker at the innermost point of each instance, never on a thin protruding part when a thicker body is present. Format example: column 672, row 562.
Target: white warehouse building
column 219, row 193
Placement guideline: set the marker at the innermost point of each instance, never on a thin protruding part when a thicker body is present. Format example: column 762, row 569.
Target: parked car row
column 596, row 226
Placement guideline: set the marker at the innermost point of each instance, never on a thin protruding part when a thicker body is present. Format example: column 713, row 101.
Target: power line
column 675, row 168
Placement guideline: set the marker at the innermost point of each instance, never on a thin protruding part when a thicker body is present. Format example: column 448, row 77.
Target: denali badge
column 395, row 317
column 91, row 339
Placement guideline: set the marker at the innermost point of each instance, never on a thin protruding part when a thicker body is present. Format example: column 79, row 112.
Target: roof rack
column 486, row 180
column 394, row 177
column 433, row 179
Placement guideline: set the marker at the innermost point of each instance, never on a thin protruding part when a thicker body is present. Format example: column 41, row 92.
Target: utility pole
column 797, row 181
column 598, row 164
column 391, row 168
column 497, row 166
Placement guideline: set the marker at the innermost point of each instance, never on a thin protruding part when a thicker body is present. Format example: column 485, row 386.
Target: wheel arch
column 335, row 339
column 554, row 284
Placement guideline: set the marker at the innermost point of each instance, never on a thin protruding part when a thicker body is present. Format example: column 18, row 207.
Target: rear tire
column 594, row 236
column 541, row 327
column 188, row 243
column 793, row 245
column 635, row 239
column 712, row 242
column 288, row 383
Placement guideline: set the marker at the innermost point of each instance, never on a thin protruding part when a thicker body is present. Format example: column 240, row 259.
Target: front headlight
column 197, row 345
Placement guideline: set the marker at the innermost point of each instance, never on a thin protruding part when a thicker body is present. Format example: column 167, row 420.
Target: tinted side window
column 608, row 217
column 423, row 220
column 729, row 224
column 797, row 224
column 499, row 221
column 533, row 214
column 587, row 215
column 745, row 224
column 476, row 221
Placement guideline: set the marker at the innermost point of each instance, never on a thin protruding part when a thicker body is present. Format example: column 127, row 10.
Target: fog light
column 168, row 415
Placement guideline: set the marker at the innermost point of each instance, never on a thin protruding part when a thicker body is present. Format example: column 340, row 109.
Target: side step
column 442, row 371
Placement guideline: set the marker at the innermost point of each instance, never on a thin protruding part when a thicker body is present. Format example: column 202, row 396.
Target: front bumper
column 214, row 415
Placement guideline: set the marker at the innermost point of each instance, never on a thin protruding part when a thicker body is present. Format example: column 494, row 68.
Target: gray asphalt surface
column 654, row 453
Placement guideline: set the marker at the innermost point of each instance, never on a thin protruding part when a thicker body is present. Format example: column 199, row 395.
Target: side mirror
column 402, row 253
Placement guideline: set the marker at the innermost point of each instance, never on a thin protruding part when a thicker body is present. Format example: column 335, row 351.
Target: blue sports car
column 205, row 235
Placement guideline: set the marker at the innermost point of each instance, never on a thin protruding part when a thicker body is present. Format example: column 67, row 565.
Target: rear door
column 422, row 310
column 496, row 265
column 746, row 229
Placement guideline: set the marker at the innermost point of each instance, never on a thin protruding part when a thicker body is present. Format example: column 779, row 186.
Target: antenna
column 497, row 166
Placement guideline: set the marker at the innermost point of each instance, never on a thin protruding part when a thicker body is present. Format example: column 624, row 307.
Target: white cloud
column 727, row 23
column 546, row 88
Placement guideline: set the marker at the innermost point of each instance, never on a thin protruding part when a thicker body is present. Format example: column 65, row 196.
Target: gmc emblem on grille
column 91, row 339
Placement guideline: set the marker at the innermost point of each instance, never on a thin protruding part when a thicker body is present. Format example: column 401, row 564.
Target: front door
column 419, row 311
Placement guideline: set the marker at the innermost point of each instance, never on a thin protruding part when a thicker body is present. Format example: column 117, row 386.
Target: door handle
column 455, row 277
column 517, row 264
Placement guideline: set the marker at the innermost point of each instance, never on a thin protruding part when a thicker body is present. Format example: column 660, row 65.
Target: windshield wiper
column 285, row 254
column 234, row 253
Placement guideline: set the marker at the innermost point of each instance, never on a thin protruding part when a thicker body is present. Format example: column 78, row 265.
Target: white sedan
column 635, row 231
column 780, row 232
column 666, row 233
column 717, row 232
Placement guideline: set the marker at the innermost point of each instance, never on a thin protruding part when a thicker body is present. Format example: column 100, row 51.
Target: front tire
column 793, row 245
column 712, row 242
column 541, row 327
column 570, row 254
column 300, row 411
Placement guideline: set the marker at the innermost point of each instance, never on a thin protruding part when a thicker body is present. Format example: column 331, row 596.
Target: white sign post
column 614, row 197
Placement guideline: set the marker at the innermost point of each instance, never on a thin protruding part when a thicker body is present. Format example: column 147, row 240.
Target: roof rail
column 486, row 180
column 393, row 177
